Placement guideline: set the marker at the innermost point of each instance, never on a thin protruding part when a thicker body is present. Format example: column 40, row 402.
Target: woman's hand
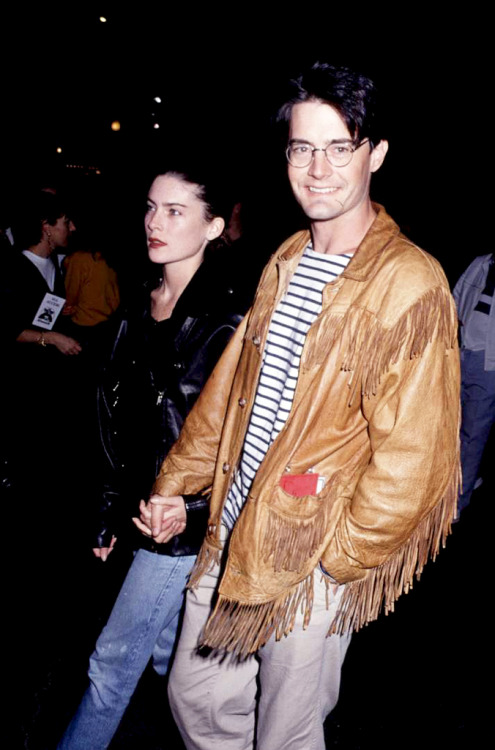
column 64, row 344
column 162, row 518
column 103, row 552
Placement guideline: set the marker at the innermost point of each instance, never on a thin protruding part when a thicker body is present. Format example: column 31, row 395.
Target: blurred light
column 103, row 19
column 115, row 125
column 157, row 100
column 156, row 125
column 59, row 150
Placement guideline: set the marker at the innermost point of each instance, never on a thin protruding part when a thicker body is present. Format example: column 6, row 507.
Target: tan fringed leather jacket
column 376, row 413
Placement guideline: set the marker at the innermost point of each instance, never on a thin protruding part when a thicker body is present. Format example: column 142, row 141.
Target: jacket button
column 256, row 340
column 242, row 402
column 226, row 467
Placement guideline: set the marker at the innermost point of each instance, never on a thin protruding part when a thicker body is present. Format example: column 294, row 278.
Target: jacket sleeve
column 108, row 496
column 190, row 464
column 406, row 497
column 20, row 298
column 109, row 503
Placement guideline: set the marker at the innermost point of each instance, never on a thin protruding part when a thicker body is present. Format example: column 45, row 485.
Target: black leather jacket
column 155, row 374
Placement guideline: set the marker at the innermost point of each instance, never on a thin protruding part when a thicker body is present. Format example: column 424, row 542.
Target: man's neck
column 344, row 234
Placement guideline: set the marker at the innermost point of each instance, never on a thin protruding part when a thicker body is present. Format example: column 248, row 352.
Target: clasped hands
column 162, row 518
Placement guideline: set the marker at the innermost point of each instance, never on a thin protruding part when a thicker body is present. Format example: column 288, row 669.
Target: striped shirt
column 290, row 323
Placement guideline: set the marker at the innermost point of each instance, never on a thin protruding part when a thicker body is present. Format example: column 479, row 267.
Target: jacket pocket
column 295, row 527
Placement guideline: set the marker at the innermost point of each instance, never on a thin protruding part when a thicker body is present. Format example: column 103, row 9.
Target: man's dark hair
column 351, row 94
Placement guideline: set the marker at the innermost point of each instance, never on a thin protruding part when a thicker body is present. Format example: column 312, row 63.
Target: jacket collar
column 204, row 293
column 363, row 264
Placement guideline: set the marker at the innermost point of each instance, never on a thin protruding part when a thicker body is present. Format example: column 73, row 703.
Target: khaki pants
column 294, row 682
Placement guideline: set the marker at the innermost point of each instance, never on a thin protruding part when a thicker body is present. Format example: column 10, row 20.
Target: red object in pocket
column 300, row 485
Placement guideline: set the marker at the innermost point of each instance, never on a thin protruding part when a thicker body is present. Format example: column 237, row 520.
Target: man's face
column 326, row 192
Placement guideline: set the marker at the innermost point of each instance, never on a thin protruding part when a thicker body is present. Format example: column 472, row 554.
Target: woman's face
column 58, row 234
column 175, row 224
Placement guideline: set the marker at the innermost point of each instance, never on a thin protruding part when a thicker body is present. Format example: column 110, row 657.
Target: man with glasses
column 329, row 433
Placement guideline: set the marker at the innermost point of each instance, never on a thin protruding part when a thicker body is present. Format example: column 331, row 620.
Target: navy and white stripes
column 290, row 323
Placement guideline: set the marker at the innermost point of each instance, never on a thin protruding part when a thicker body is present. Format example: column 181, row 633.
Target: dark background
column 421, row 676
column 67, row 76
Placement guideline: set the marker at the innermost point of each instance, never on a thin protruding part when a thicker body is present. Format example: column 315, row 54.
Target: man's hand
column 162, row 517
column 103, row 552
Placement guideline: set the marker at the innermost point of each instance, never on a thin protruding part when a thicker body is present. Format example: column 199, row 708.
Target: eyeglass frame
column 354, row 147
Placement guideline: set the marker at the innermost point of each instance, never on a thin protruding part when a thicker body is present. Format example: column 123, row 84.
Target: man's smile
column 322, row 190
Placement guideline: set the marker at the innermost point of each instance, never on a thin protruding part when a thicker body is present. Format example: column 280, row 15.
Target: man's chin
column 316, row 213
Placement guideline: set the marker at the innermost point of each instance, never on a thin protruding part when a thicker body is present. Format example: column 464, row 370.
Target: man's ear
column 378, row 155
column 215, row 228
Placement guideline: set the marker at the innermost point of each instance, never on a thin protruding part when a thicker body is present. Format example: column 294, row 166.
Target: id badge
column 48, row 311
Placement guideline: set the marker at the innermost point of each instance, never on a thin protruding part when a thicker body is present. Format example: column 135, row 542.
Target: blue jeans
column 143, row 624
column 478, row 417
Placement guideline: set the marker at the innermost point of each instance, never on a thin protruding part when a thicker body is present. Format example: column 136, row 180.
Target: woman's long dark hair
column 37, row 208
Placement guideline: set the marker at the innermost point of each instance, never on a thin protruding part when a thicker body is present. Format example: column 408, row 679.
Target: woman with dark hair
column 42, row 232
column 164, row 351
column 38, row 355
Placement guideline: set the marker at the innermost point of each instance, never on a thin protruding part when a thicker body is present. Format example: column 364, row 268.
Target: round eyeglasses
column 301, row 154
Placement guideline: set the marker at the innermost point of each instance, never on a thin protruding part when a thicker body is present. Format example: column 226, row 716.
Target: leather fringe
column 207, row 558
column 242, row 629
column 363, row 600
column 292, row 541
column 369, row 349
